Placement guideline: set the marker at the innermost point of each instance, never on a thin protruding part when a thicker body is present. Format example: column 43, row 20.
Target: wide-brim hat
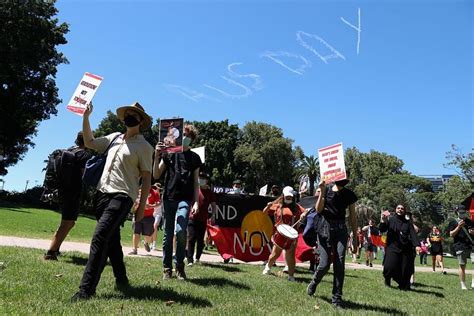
column 146, row 119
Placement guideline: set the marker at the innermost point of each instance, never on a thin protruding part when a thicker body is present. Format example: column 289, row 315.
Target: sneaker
column 180, row 274
column 266, row 270
column 80, row 296
column 190, row 264
column 444, row 272
column 370, row 265
column 147, row 246
column 463, row 286
column 167, row 274
column 311, row 289
column 291, row 279
column 226, row 260
column 367, row 262
column 285, row 269
column 51, row 255
column 133, row 252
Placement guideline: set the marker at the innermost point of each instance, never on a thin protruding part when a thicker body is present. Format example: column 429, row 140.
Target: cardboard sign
column 331, row 163
column 84, row 93
column 171, row 135
column 263, row 190
column 201, row 151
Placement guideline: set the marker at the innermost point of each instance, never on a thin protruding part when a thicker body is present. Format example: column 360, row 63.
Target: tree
column 29, row 35
column 264, row 156
column 455, row 191
column 310, row 167
column 463, row 164
column 220, row 139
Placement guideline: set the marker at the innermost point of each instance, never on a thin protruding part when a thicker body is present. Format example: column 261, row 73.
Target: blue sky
column 408, row 91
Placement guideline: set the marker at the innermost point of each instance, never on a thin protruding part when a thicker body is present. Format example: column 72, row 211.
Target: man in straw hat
column 129, row 159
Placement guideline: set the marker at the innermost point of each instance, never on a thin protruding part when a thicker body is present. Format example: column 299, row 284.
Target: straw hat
column 146, row 119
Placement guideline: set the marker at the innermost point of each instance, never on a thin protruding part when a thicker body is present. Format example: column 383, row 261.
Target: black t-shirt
column 461, row 240
column 179, row 179
column 337, row 203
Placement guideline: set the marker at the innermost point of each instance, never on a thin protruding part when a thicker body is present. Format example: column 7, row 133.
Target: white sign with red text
column 84, row 93
column 331, row 163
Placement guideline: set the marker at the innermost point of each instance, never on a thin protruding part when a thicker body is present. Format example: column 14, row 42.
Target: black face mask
column 130, row 121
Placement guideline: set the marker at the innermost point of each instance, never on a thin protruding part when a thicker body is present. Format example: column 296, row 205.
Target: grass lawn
column 29, row 285
column 41, row 224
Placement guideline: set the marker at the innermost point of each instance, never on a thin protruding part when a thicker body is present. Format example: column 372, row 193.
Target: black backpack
column 60, row 170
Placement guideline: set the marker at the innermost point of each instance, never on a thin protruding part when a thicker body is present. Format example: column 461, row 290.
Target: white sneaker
column 266, row 270
column 291, row 279
column 463, row 286
column 285, row 269
column 190, row 264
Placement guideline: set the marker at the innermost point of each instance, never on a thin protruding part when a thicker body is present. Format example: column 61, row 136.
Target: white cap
column 288, row 191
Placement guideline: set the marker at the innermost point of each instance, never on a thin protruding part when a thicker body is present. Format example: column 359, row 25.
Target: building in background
column 438, row 182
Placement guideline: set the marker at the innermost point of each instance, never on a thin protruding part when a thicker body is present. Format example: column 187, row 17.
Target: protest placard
column 263, row 190
column 171, row 135
column 84, row 93
column 331, row 163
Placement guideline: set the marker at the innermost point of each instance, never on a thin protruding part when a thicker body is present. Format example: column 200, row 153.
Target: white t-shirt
column 126, row 159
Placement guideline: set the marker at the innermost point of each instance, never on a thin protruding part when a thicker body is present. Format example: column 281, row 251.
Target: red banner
column 379, row 241
column 230, row 244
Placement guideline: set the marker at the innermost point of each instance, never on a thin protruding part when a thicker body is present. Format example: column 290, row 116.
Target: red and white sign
column 331, row 163
column 84, row 93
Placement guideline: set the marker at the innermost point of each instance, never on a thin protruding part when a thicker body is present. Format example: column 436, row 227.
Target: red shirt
column 206, row 197
column 153, row 198
column 289, row 218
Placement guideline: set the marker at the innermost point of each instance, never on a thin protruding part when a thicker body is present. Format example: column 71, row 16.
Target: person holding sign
column 286, row 212
column 462, row 232
column 332, row 204
column 181, row 171
column 129, row 161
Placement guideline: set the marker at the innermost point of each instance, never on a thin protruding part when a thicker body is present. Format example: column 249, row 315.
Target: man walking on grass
column 129, row 159
column 69, row 196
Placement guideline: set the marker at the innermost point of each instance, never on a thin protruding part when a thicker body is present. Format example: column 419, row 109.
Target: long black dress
column 399, row 260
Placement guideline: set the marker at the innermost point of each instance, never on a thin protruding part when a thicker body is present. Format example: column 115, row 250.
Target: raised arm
column 86, row 127
column 319, row 206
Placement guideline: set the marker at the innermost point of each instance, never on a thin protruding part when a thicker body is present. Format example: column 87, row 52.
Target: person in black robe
column 399, row 260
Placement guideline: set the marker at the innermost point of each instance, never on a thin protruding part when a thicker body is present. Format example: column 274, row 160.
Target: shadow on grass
column 163, row 294
column 80, row 261
column 428, row 286
column 437, row 294
column 221, row 282
column 367, row 307
column 11, row 209
column 225, row 267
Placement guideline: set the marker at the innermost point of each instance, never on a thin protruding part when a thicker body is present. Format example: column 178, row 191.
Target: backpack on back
column 60, row 170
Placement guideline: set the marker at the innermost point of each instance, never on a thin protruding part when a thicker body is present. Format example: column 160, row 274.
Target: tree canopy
column 29, row 36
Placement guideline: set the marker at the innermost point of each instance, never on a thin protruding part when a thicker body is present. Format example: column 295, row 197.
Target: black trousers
column 337, row 247
column 196, row 232
column 399, row 265
column 111, row 212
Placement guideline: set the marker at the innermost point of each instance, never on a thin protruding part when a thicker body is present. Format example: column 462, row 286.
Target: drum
column 285, row 236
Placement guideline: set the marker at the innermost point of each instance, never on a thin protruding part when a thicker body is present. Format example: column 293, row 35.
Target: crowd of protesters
column 184, row 205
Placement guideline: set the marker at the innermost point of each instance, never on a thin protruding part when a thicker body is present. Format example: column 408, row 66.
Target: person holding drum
column 286, row 213
column 332, row 235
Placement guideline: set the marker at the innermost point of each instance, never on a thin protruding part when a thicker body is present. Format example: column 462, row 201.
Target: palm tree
column 310, row 166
